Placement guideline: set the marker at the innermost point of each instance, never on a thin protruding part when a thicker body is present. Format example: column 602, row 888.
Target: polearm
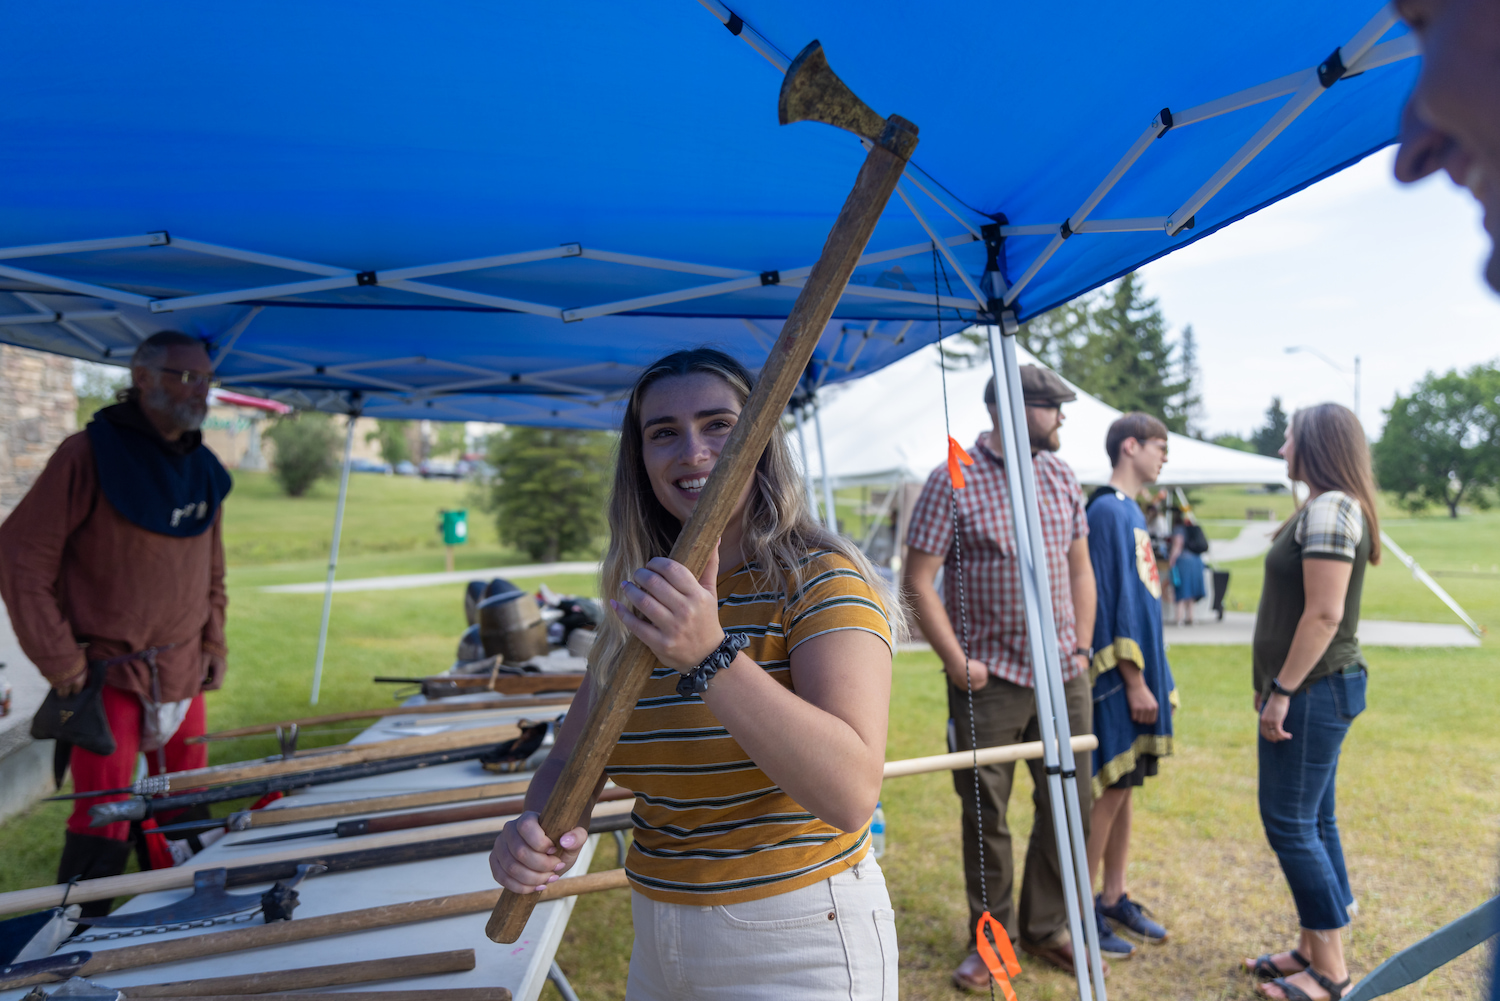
column 319, row 759
column 385, row 915
column 491, row 705
column 141, row 807
column 810, row 92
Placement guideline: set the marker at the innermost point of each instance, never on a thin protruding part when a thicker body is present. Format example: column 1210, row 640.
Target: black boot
column 88, row 857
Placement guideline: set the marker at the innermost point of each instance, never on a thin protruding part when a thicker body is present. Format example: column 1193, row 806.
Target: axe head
column 813, row 92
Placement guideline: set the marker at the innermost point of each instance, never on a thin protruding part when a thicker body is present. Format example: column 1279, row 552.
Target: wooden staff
column 220, row 943
column 527, row 702
column 508, row 684
column 434, row 908
column 106, row 887
column 509, row 806
column 810, row 91
column 373, row 804
column 427, row 994
column 332, row 757
column 362, row 972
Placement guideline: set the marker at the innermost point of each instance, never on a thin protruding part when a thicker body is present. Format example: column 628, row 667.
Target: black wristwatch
column 1086, row 652
column 1277, row 688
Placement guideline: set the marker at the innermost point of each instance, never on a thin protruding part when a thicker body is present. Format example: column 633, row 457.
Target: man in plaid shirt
column 998, row 665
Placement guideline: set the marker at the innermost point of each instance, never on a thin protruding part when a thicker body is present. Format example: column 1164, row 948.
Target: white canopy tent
column 888, row 428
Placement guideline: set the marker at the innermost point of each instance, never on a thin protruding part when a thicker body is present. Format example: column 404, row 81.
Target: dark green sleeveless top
column 1330, row 527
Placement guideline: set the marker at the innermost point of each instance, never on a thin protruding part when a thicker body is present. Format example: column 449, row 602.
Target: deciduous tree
column 306, row 442
column 1441, row 444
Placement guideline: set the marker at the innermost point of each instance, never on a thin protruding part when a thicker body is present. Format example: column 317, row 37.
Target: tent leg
column 1041, row 637
column 830, row 513
column 812, row 498
column 333, row 556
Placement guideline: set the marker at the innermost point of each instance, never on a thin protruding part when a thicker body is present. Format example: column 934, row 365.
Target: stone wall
column 37, row 411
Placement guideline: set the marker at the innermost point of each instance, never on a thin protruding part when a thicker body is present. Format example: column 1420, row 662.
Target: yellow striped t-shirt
column 710, row 827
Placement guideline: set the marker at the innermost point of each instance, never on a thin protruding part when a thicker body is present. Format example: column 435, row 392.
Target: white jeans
column 834, row 939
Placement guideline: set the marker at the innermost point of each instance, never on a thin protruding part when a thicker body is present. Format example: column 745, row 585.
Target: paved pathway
column 1253, row 540
column 432, row 579
column 1238, row 628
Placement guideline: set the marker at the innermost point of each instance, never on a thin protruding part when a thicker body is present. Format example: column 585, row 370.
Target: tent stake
column 333, row 555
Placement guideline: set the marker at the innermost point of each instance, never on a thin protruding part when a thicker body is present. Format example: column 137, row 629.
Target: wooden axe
column 810, row 92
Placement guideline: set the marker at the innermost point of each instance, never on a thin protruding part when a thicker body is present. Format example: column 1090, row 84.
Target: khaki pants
column 1005, row 713
column 832, row 941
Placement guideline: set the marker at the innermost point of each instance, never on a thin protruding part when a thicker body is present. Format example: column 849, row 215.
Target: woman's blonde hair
column 1329, row 452
column 779, row 530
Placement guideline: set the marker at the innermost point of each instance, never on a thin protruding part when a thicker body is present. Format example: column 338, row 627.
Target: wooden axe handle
column 363, row 971
column 612, row 702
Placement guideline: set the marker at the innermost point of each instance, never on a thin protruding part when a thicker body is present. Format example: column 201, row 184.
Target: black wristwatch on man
column 1277, row 688
column 1086, row 652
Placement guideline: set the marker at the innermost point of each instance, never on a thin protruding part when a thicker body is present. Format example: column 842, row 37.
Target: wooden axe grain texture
column 363, row 971
column 430, row 994
column 611, row 703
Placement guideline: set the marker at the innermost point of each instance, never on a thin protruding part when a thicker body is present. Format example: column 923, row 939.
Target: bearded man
column 995, row 672
column 112, row 569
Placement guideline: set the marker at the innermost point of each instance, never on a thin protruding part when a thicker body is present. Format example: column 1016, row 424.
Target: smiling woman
column 756, row 749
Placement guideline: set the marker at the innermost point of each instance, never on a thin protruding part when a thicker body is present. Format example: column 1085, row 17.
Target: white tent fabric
column 888, row 427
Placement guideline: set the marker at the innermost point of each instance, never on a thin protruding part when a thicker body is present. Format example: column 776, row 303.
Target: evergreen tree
column 550, row 488
column 1268, row 438
column 1190, row 403
column 1125, row 359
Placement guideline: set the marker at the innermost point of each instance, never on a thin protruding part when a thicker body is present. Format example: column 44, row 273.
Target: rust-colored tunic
column 83, row 583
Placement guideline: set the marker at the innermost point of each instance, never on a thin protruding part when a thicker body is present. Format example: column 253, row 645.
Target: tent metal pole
column 333, row 555
column 830, row 513
column 812, row 498
column 1041, row 636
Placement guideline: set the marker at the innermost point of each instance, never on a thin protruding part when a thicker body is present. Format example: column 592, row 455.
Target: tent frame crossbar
column 1360, row 55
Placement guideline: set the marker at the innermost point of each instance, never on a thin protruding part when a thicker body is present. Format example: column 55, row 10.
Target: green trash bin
column 455, row 527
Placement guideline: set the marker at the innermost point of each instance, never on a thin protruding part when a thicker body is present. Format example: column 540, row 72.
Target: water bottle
column 877, row 832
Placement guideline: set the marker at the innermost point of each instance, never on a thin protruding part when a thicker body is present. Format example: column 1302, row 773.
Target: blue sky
column 1357, row 264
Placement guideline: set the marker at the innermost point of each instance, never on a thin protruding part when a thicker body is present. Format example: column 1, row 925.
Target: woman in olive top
column 754, row 785
column 1309, row 686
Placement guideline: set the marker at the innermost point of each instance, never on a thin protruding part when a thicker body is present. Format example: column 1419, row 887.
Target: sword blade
column 289, row 837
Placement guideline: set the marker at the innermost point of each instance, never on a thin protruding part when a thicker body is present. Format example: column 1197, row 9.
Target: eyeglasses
column 189, row 377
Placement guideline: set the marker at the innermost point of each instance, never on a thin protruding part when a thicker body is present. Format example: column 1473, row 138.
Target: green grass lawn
column 1419, row 793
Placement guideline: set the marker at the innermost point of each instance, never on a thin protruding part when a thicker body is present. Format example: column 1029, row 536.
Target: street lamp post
column 1337, row 368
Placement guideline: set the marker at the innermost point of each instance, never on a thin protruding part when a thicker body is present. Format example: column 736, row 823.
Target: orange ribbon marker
column 1007, row 954
column 957, row 455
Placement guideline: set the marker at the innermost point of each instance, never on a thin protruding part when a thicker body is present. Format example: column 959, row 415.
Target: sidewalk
column 1238, row 628
column 432, row 579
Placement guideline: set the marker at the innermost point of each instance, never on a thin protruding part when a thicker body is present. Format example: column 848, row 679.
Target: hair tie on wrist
column 695, row 682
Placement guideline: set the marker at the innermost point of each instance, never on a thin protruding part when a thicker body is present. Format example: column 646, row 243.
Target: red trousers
column 93, row 771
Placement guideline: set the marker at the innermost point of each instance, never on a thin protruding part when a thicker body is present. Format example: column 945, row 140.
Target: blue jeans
column 1297, row 779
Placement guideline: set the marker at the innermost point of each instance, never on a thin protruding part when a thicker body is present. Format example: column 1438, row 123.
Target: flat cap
column 1038, row 385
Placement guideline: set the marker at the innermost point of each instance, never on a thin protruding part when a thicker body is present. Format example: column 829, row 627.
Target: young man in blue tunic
column 1133, row 690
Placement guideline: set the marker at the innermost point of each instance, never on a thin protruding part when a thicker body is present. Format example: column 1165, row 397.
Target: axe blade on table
column 209, row 899
column 810, row 92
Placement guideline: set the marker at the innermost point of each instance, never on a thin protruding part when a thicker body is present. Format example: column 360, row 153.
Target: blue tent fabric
column 361, row 138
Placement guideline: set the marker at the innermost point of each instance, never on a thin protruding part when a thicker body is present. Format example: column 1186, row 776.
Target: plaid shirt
column 991, row 574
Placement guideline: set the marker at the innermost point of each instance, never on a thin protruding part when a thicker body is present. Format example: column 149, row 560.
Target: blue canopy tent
column 505, row 210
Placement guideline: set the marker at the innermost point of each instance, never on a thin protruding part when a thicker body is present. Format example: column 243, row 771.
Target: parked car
column 439, row 467
column 404, row 468
column 369, row 466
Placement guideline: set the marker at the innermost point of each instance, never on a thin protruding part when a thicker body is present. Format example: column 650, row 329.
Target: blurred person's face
column 1288, row 451
column 1043, row 422
column 176, row 392
column 1146, row 457
column 1452, row 119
